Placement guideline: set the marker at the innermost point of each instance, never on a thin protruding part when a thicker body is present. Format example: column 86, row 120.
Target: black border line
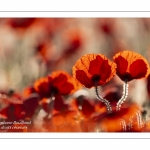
column 76, row 12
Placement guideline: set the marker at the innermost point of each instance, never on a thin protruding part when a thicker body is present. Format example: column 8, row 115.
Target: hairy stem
column 124, row 96
column 105, row 101
column 139, row 119
column 123, row 124
column 130, row 124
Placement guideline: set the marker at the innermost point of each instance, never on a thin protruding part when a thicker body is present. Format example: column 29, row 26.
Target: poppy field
column 74, row 75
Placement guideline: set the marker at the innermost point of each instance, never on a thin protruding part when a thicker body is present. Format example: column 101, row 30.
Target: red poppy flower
column 42, row 86
column 93, row 68
column 63, row 83
column 59, row 82
column 131, row 65
column 21, row 111
column 13, row 112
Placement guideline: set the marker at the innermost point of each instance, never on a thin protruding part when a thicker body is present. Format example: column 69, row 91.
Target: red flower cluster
column 56, row 101
column 57, row 83
column 93, row 68
column 64, row 113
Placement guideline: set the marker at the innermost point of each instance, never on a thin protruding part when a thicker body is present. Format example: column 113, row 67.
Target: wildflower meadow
column 74, row 75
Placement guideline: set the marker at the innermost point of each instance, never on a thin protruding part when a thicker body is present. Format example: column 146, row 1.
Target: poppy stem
column 105, row 101
column 124, row 96
column 139, row 119
column 130, row 124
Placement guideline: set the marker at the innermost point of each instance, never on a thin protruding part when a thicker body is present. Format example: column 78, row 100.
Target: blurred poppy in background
column 52, row 64
column 20, row 23
column 59, row 82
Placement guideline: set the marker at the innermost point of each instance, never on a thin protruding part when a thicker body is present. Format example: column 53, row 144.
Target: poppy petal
column 63, row 83
column 136, row 72
column 84, row 80
column 41, row 86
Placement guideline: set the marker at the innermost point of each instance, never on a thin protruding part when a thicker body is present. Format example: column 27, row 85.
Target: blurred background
column 34, row 47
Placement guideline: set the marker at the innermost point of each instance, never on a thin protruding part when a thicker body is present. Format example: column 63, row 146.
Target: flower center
column 55, row 90
column 96, row 78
